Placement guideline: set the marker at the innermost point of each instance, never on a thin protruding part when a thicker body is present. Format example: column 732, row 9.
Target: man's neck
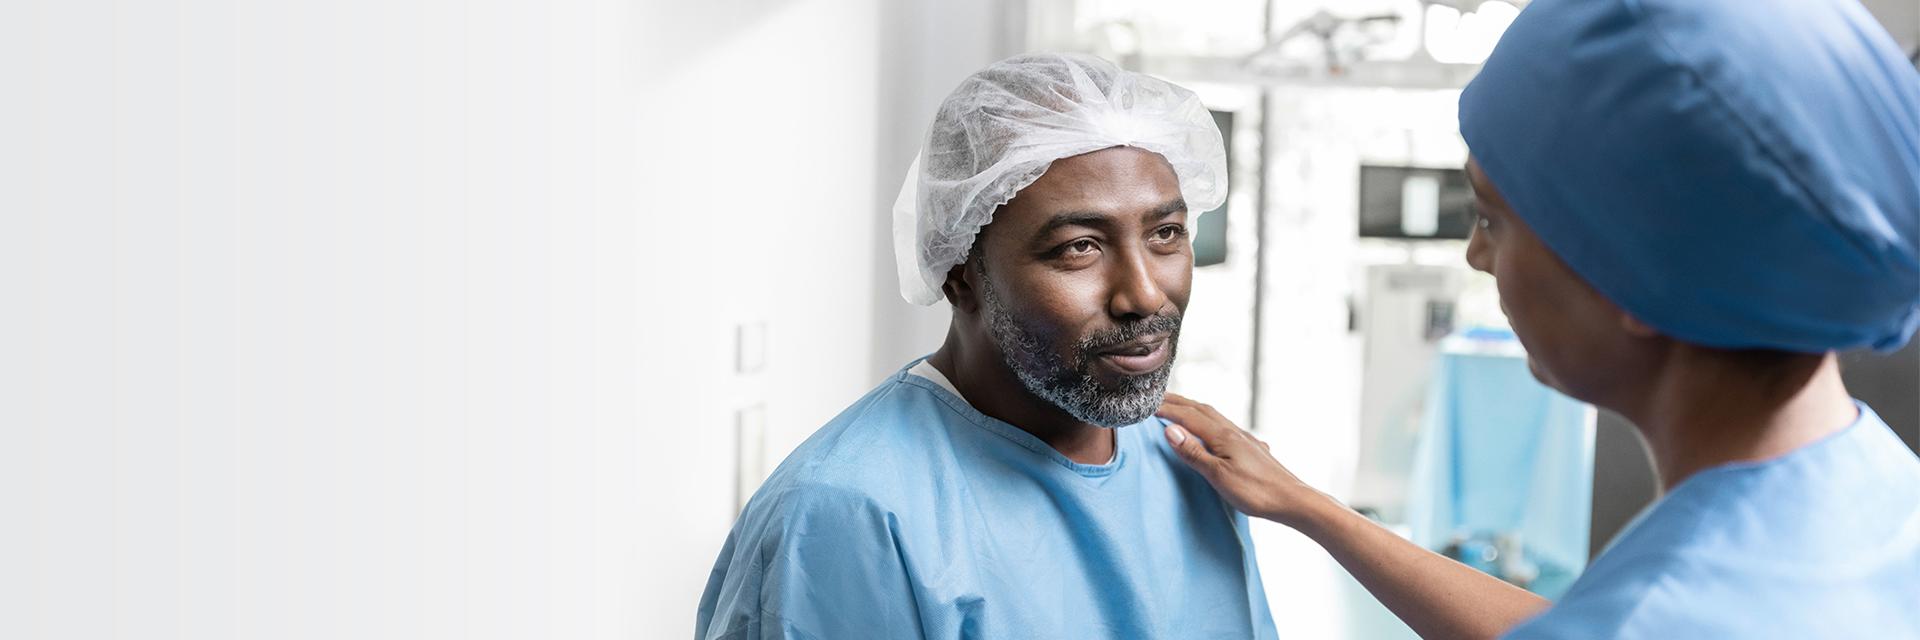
column 1700, row 413
column 984, row 379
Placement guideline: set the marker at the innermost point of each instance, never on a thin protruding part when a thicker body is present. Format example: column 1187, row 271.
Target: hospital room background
column 448, row 319
column 1332, row 310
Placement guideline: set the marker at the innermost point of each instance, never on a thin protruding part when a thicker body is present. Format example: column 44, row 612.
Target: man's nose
column 1136, row 294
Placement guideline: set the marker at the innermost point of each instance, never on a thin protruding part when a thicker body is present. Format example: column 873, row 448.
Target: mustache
column 1167, row 323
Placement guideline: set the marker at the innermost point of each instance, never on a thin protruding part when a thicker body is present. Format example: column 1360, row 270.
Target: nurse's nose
column 1480, row 249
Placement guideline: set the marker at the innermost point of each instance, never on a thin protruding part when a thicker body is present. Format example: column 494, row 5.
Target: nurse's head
column 1577, row 340
column 1682, row 178
column 1049, row 208
column 1575, row 337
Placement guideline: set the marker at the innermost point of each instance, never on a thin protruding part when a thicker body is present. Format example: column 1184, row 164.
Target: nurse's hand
column 1238, row 465
column 1435, row 596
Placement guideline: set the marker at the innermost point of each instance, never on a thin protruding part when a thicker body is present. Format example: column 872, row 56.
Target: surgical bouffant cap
column 1735, row 173
column 1004, row 125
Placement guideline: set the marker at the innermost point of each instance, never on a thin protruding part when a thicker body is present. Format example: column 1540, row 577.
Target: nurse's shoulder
column 1642, row 593
column 1823, row 542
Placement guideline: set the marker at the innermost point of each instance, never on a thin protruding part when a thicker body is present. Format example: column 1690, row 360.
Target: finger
column 1180, row 400
column 1193, row 420
column 1211, row 428
column 1192, row 449
column 1202, row 407
column 1213, row 413
column 1235, row 430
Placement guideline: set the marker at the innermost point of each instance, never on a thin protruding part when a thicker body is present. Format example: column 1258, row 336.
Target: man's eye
column 1169, row 232
column 1082, row 246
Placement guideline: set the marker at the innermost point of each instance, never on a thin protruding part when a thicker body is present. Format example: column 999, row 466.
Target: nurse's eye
column 1481, row 220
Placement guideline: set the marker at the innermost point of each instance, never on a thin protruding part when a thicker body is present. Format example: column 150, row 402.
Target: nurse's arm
column 1436, row 596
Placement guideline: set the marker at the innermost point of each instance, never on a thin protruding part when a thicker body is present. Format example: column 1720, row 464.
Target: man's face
column 1572, row 334
column 1083, row 278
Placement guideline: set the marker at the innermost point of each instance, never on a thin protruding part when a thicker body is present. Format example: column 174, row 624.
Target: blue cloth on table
column 1500, row 453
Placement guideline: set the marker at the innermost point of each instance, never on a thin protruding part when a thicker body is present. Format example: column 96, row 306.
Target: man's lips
column 1136, row 347
column 1138, row 356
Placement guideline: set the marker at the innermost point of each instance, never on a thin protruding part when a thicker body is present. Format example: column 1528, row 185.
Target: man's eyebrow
column 1166, row 210
column 1099, row 220
column 1074, row 219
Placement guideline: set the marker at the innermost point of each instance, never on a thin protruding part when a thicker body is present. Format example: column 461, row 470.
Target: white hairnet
column 1004, row 125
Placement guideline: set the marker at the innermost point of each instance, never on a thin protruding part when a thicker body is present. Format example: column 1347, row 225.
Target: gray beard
column 1071, row 385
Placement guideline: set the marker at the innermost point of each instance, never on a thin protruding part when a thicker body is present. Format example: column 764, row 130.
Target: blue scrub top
column 1823, row 542
column 911, row 515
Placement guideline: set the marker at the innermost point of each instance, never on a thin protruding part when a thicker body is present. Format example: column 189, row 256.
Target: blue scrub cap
column 1735, row 173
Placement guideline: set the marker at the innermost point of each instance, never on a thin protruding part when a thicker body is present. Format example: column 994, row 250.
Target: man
column 1688, row 206
column 1014, row 484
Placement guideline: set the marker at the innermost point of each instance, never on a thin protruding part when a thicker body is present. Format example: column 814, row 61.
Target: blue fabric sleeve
column 827, row 565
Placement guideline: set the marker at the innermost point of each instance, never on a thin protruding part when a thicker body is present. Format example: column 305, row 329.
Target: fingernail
column 1177, row 434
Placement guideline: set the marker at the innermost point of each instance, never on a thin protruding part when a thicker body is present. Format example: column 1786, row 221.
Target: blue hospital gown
column 1823, row 542
column 911, row 515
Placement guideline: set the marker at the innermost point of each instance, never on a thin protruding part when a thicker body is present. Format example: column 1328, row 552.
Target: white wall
column 336, row 319
column 756, row 161
column 321, row 321
column 774, row 138
column 929, row 47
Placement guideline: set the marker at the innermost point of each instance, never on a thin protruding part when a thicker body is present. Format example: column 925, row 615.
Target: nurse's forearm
column 1436, row 596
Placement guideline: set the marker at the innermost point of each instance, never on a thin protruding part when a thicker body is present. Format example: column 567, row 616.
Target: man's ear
column 960, row 291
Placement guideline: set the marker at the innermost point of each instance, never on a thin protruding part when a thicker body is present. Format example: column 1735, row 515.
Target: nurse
column 1689, row 206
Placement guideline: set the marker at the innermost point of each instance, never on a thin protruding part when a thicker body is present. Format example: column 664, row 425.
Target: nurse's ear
column 1634, row 327
column 959, row 286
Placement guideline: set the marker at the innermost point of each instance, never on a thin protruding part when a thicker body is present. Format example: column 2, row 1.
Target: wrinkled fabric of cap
column 1735, row 173
column 1003, row 126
